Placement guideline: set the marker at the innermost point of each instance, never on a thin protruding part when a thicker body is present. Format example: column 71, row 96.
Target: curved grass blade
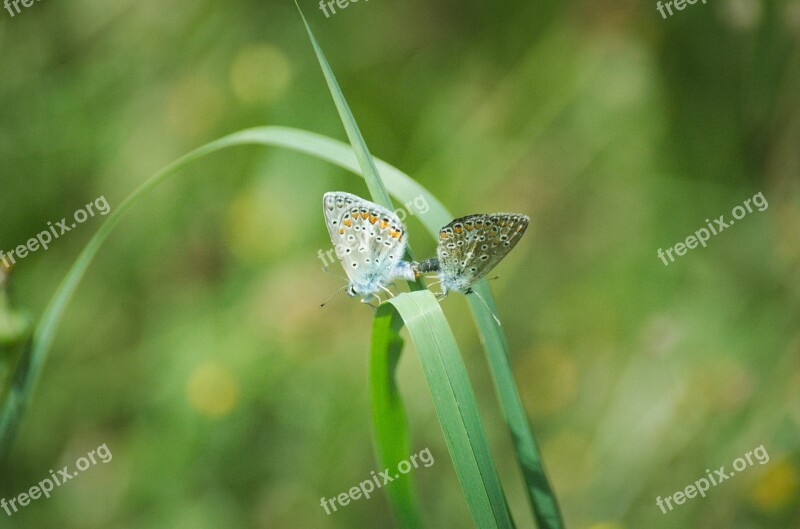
column 455, row 405
column 405, row 189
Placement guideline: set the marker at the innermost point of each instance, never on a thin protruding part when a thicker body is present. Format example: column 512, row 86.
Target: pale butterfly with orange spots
column 370, row 242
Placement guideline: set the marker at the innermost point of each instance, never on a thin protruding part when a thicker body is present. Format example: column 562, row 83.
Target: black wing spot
column 484, row 257
column 355, row 265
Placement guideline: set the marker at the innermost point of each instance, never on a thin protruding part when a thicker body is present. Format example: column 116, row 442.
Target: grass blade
column 455, row 405
column 390, row 425
column 333, row 151
column 540, row 493
column 368, row 169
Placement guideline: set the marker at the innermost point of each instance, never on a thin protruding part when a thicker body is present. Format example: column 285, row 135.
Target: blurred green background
column 195, row 347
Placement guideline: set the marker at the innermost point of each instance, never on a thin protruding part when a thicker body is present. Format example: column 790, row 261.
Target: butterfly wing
column 469, row 247
column 369, row 239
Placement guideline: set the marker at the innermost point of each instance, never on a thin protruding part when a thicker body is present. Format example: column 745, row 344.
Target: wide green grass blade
column 390, row 425
column 455, row 405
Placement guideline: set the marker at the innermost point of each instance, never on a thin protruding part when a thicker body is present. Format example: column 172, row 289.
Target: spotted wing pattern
column 369, row 240
column 469, row 247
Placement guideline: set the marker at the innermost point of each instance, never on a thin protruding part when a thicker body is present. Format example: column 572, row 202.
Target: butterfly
column 469, row 247
column 370, row 242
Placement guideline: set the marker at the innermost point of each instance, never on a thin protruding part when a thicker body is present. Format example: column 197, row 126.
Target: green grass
column 438, row 352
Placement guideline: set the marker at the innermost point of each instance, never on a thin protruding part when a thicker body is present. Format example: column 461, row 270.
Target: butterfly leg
column 368, row 300
column 391, row 295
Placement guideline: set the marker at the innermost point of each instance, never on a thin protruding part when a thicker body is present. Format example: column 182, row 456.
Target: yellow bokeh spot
column 212, row 389
column 777, row 487
column 260, row 74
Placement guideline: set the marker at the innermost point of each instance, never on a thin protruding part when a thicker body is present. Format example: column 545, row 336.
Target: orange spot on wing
column 372, row 219
column 347, row 222
column 384, row 224
column 458, row 230
column 364, row 215
column 341, row 231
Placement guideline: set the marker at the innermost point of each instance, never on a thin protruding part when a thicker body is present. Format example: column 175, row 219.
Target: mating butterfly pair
column 370, row 241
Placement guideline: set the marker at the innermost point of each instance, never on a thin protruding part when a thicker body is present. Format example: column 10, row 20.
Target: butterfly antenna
column 333, row 296
column 488, row 308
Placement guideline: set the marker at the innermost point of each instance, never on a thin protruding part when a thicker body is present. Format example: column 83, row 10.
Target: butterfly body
column 370, row 242
column 469, row 247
